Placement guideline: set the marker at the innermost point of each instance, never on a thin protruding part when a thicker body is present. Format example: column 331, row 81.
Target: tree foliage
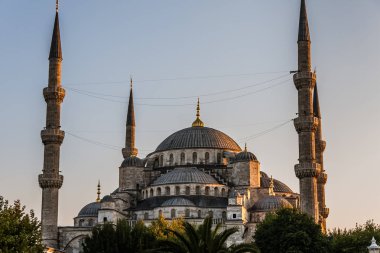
column 121, row 238
column 161, row 227
column 354, row 240
column 203, row 239
column 19, row 231
column 289, row 231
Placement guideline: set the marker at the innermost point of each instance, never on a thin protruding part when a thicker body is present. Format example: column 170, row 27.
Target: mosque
column 194, row 173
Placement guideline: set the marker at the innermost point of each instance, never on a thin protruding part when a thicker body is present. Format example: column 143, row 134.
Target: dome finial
column 245, row 147
column 98, row 192
column 131, row 81
column 56, row 5
column 198, row 122
column 271, row 187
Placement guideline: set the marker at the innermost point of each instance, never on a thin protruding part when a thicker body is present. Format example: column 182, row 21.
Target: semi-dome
column 90, row 210
column 198, row 137
column 177, row 201
column 278, row 185
column 270, row 203
column 107, row 198
column 185, row 175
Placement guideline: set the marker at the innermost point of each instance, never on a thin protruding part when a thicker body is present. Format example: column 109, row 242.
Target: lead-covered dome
column 278, row 185
column 90, row 210
column 177, row 201
column 198, row 137
column 270, row 203
column 185, row 175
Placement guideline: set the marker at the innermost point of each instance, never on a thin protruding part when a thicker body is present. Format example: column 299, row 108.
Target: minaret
column 130, row 149
column 320, row 146
column 52, row 136
column 307, row 170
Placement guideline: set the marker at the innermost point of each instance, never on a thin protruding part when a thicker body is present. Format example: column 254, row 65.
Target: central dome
column 198, row 137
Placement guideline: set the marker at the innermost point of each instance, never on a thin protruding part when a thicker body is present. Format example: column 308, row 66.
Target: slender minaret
column 52, row 136
column 306, row 124
column 320, row 146
column 130, row 149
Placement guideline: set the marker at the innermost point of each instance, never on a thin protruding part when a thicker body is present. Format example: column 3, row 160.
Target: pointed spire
column 198, row 122
column 303, row 32
column 55, row 48
column 316, row 109
column 131, row 111
column 245, row 148
column 271, row 187
column 98, row 192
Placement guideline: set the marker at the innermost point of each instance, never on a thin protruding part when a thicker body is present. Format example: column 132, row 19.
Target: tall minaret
column 52, row 136
column 130, row 149
column 320, row 146
column 306, row 124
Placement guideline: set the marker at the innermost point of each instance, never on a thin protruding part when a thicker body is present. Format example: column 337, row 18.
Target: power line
column 249, row 138
column 183, row 97
column 175, row 78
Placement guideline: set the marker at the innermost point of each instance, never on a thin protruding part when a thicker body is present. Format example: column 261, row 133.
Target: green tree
column 161, row 227
column 19, row 232
column 121, row 238
column 290, row 231
column 354, row 240
column 202, row 239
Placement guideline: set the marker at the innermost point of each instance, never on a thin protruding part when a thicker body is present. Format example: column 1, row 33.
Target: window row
column 167, row 191
column 173, row 214
column 182, row 159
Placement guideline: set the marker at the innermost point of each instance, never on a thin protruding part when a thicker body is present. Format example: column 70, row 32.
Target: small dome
column 245, row 156
column 90, row 210
column 270, row 203
column 185, row 175
column 177, row 202
column 278, row 185
column 132, row 161
column 107, row 198
column 198, row 137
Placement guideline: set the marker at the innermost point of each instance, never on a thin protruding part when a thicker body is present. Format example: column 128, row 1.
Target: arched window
column 219, row 158
column 224, row 215
column 182, row 158
column 223, row 192
column 143, row 194
column 207, row 157
column 90, row 222
column 146, row 216
column 167, row 190
column 177, row 190
column 211, row 213
column 187, row 190
column 151, row 193
column 207, row 190
column 173, row 213
column 161, row 160
column 195, row 157
column 187, row 213
column 171, row 159
column 198, row 190
column 199, row 214
column 81, row 221
column 105, row 219
column 216, row 192
column 159, row 213
column 156, row 162
column 158, row 191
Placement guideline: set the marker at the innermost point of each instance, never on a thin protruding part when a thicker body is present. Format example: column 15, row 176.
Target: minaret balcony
column 322, row 179
column 324, row 212
column 306, row 124
column 304, row 170
column 304, row 79
column 52, row 136
column 48, row 181
column 54, row 93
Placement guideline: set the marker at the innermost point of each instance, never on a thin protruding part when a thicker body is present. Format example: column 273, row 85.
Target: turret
column 307, row 170
column 320, row 146
column 52, row 137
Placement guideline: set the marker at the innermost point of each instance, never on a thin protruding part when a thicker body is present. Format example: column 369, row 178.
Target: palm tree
column 203, row 239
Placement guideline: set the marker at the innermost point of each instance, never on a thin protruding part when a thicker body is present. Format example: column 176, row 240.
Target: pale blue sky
column 232, row 43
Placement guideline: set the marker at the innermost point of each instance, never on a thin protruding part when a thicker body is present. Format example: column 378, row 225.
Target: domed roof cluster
column 185, row 175
column 90, row 210
column 178, row 201
column 198, row 137
column 270, row 203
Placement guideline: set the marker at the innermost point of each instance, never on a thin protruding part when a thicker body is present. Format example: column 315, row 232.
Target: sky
column 234, row 55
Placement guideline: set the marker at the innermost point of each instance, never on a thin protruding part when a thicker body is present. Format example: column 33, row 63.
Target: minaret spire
column 98, row 192
column 52, row 137
column 130, row 149
column 306, row 124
